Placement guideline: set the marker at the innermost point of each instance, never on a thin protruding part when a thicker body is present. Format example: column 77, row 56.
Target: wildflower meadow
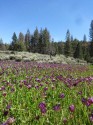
column 34, row 93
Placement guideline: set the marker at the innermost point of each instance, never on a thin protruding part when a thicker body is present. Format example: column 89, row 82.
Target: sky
column 57, row 15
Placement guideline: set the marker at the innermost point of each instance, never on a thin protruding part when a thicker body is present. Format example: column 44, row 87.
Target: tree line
column 41, row 42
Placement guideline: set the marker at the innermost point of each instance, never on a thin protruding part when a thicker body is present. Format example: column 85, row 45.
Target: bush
column 91, row 60
column 18, row 60
column 12, row 57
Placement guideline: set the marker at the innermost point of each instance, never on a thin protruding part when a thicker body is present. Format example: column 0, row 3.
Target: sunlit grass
column 60, row 89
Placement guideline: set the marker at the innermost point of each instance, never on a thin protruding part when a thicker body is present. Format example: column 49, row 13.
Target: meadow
column 34, row 93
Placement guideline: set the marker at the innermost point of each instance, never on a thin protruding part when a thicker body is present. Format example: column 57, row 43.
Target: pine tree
column 28, row 40
column 68, row 47
column 84, row 46
column 45, row 41
column 40, row 43
column 60, row 47
column 84, row 38
column 72, row 38
column 2, row 46
column 91, row 38
column 21, row 37
column 87, row 56
column 35, row 40
column 78, row 52
column 21, row 42
column 13, row 43
column 74, row 46
column 52, row 50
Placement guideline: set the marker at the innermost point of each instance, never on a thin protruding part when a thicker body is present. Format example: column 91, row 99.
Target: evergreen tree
column 84, row 38
column 84, row 46
column 20, row 46
column 13, row 43
column 2, row 46
column 28, row 40
column 56, row 47
column 40, row 43
column 45, row 41
column 35, row 40
column 91, row 38
column 72, row 38
column 60, row 48
column 74, row 46
column 52, row 50
column 21, row 37
column 7, row 46
column 78, row 51
column 68, row 47
column 87, row 56
column 20, row 43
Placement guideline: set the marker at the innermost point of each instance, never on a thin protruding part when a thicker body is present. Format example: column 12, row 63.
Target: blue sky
column 57, row 15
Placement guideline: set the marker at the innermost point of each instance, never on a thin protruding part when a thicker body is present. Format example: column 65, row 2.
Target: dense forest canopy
column 41, row 42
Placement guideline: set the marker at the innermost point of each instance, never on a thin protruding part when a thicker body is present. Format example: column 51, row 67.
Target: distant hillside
column 26, row 56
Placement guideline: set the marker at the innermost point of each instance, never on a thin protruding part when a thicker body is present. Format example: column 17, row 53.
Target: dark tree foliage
column 72, row 38
column 14, row 42
column 91, row 31
column 35, row 40
column 18, row 44
column 68, row 47
column 87, row 56
column 60, row 48
column 2, row 46
column 84, row 38
column 52, row 49
column 78, row 51
column 40, row 42
column 28, row 40
column 91, row 38
column 21, row 37
column 74, row 46
column 84, row 47
column 45, row 41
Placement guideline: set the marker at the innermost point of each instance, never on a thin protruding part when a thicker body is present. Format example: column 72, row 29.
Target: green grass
column 24, row 102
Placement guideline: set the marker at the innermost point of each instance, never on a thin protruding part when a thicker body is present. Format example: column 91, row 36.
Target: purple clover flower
column 25, row 82
column 4, row 94
column 91, row 117
column 56, row 107
column 41, row 84
column 29, row 86
column 37, row 87
column 88, row 101
column 2, row 88
column 38, row 80
column 46, row 88
column 80, row 92
column 84, row 100
column 8, row 106
column 42, row 105
column 64, row 120
column 53, row 80
column 5, row 113
column 43, row 110
column 12, row 89
column 72, row 108
column 9, row 121
column 62, row 95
